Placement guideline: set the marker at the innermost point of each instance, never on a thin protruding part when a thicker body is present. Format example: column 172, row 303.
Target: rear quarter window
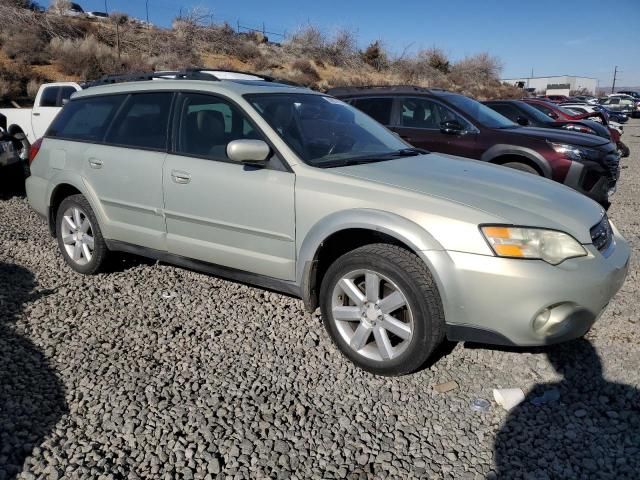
column 85, row 119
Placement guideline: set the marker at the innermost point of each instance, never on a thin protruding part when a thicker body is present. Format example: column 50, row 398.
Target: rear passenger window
column 143, row 122
column 208, row 124
column 377, row 108
column 85, row 118
column 49, row 97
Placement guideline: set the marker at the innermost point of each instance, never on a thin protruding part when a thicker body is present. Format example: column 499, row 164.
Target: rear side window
column 377, row 108
column 142, row 122
column 49, row 97
column 86, row 118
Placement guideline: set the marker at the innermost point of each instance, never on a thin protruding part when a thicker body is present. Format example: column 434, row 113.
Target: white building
column 559, row 85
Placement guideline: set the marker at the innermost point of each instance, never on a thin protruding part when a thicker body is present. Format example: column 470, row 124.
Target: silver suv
column 295, row 191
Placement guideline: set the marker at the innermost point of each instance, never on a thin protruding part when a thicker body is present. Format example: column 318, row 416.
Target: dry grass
column 38, row 47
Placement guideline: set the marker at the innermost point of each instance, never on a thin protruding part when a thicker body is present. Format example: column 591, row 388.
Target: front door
column 419, row 124
column 220, row 211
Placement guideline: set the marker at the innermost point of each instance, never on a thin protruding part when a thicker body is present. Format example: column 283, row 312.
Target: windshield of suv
column 481, row 113
column 326, row 132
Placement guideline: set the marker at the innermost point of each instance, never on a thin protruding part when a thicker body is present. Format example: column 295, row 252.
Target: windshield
column 567, row 111
column 327, row 132
column 537, row 115
column 481, row 113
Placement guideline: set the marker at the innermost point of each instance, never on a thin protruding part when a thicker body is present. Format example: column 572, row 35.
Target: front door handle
column 179, row 176
column 95, row 163
column 36, row 114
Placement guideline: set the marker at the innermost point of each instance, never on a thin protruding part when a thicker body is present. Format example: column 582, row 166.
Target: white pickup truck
column 29, row 124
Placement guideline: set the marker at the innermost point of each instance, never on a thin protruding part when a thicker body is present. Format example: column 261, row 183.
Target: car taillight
column 33, row 151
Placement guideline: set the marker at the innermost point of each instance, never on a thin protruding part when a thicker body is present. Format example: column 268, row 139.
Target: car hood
column 559, row 136
column 498, row 194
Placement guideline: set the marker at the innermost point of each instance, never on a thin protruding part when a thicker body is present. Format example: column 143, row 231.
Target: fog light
column 541, row 319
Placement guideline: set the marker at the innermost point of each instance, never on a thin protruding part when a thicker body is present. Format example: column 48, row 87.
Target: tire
column 77, row 242
column 415, row 329
column 523, row 167
column 624, row 150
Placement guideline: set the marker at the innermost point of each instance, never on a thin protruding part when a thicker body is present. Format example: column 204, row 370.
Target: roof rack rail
column 186, row 74
column 387, row 88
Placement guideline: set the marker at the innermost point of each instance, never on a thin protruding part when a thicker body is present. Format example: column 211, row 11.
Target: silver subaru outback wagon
column 295, row 191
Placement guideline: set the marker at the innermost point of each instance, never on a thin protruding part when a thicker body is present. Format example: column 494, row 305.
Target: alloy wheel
column 77, row 235
column 372, row 315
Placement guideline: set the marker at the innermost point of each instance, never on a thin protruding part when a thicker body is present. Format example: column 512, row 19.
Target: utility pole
column 615, row 74
column 147, row 7
column 106, row 10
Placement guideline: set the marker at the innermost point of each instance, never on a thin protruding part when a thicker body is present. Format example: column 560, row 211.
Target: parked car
column 28, row 124
column 626, row 99
column 294, row 190
column 590, row 99
column 446, row 122
column 101, row 16
column 624, row 105
column 615, row 116
column 9, row 159
column 556, row 98
column 564, row 113
column 524, row 114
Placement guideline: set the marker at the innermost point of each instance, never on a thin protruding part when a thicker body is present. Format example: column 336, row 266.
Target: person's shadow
column 592, row 431
column 31, row 395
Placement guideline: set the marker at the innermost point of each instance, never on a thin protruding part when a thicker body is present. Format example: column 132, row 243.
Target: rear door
column 220, row 211
column 125, row 171
column 419, row 123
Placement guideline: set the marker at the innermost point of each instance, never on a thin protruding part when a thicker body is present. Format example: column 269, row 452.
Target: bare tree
column 59, row 7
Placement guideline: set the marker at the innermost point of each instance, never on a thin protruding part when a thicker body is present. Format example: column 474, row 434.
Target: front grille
column 601, row 234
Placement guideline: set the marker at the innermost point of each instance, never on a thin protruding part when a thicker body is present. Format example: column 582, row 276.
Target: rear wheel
column 523, row 167
column 381, row 307
column 79, row 236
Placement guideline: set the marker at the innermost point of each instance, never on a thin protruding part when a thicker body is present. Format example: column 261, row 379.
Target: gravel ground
column 153, row 371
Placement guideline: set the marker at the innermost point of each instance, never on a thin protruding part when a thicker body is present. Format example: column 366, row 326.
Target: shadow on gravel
column 31, row 396
column 11, row 182
column 592, row 431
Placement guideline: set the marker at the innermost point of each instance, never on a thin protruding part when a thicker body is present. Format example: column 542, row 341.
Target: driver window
column 208, row 124
column 420, row 113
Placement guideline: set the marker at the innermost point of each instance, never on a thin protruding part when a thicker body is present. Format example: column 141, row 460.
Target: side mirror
column 248, row 151
column 522, row 121
column 451, row 127
column 553, row 115
column 65, row 101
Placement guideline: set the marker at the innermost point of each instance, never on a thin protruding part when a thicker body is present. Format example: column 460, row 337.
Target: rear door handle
column 95, row 163
column 179, row 176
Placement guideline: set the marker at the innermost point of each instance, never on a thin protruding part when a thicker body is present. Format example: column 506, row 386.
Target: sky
column 559, row 37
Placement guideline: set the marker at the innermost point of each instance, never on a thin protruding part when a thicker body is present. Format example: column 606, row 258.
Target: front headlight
column 534, row 243
column 574, row 152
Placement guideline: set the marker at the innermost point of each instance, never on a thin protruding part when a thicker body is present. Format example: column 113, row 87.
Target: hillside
column 37, row 47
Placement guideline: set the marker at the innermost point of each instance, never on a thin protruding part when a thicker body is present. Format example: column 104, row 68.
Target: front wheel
column 381, row 307
column 523, row 167
column 79, row 236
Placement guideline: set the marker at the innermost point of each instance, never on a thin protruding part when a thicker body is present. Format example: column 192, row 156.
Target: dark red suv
column 447, row 122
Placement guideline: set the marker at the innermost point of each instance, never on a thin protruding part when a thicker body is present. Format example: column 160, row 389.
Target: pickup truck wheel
column 79, row 236
column 523, row 167
column 381, row 307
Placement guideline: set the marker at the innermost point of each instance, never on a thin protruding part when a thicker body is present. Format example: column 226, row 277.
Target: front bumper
column 500, row 300
column 596, row 180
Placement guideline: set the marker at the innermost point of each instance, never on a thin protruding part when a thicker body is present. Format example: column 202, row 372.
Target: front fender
column 405, row 231
column 500, row 150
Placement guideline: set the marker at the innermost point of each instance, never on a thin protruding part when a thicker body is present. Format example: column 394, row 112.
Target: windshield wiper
column 381, row 157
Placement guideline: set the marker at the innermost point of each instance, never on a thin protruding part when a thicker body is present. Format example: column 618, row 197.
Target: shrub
column 86, row 58
column 26, row 46
column 375, row 56
column 246, row 51
column 9, row 88
column 32, row 88
column 307, row 69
